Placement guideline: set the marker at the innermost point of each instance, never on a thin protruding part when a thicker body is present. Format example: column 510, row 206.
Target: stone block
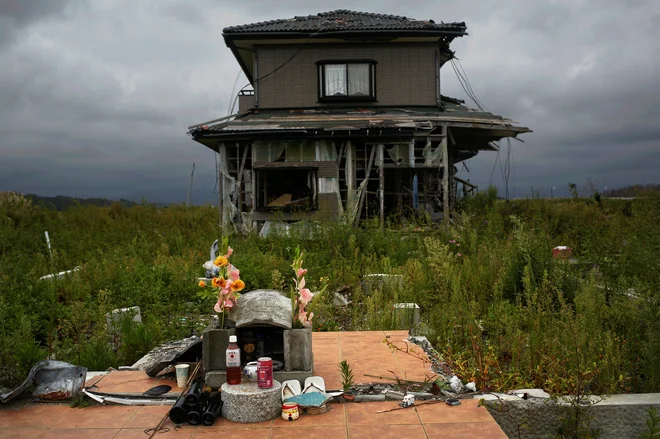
column 113, row 319
column 406, row 315
column 214, row 346
column 298, row 349
column 262, row 308
column 248, row 403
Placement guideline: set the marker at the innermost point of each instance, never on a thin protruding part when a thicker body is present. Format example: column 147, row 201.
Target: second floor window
column 347, row 80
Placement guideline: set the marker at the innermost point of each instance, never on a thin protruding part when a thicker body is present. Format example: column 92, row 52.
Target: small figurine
column 408, row 401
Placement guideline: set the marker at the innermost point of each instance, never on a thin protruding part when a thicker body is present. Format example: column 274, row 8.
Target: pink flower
column 458, row 245
column 229, row 304
column 305, row 296
column 304, row 319
column 452, row 241
column 217, row 307
column 229, row 252
column 233, row 273
column 301, row 283
column 459, row 254
column 301, row 272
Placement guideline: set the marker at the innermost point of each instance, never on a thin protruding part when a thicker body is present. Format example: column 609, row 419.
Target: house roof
column 345, row 20
column 473, row 129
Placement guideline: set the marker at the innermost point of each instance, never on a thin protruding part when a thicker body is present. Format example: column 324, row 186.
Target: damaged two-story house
column 345, row 120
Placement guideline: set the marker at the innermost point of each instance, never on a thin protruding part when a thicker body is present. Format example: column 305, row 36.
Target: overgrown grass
column 494, row 302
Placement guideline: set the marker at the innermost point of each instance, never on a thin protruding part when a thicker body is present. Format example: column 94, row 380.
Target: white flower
column 208, row 265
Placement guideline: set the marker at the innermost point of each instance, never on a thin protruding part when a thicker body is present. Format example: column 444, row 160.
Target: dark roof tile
column 345, row 20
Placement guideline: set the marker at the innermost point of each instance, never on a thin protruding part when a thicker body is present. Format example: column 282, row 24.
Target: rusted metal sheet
column 52, row 381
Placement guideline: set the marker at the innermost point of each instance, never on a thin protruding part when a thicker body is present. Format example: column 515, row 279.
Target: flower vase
column 298, row 349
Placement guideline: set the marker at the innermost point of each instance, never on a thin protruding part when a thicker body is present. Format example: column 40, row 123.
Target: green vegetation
column 346, row 376
column 495, row 303
column 652, row 425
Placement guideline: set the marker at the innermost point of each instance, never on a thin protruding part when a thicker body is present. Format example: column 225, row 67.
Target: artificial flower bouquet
column 225, row 283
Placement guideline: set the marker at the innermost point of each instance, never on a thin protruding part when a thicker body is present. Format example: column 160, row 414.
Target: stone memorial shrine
column 261, row 320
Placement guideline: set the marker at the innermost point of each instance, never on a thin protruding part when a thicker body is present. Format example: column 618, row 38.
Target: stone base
column 247, row 403
column 217, row 378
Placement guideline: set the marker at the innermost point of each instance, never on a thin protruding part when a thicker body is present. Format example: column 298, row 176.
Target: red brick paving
column 366, row 353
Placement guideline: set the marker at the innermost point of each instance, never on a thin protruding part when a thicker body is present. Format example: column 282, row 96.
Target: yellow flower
column 202, row 283
column 237, row 285
column 219, row 282
column 220, row 261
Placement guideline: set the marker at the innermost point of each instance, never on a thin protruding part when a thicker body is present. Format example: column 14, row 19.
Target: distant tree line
column 634, row 190
column 63, row 203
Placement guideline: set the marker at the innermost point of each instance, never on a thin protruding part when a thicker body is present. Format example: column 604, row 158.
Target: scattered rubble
column 51, row 381
column 179, row 351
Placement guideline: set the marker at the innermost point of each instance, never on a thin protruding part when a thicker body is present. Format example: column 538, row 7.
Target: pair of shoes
column 291, row 388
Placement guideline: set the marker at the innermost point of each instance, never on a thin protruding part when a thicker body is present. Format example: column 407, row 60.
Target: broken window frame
column 261, row 178
column 322, row 92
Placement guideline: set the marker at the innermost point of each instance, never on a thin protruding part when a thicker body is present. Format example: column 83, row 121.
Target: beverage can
column 265, row 372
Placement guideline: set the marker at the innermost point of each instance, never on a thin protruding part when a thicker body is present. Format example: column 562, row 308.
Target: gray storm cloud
column 95, row 97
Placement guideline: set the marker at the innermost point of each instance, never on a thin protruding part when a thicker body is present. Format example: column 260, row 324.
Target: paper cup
column 182, row 371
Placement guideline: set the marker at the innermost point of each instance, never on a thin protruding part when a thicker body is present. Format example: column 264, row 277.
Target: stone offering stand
column 247, row 403
column 266, row 313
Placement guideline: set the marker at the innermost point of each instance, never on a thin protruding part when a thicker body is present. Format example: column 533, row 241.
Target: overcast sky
column 96, row 96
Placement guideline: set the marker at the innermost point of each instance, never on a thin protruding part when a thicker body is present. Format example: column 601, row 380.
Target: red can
column 265, row 372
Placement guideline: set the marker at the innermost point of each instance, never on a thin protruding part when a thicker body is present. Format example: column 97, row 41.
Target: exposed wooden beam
column 239, row 181
column 381, row 184
column 445, row 175
column 465, row 183
column 358, row 213
column 451, row 137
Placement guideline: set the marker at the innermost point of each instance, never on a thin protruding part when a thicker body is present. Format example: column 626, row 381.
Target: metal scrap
column 52, row 381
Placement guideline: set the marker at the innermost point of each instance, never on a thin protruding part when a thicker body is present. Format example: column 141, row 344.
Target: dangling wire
column 465, row 83
column 494, row 164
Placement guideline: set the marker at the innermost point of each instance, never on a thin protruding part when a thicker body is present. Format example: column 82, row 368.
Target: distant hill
column 631, row 191
column 63, row 203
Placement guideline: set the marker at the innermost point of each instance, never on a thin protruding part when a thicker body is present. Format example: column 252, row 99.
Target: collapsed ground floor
column 297, row 165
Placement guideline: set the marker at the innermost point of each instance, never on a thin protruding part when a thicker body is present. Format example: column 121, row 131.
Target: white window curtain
column 359, row 80
column 335, row 80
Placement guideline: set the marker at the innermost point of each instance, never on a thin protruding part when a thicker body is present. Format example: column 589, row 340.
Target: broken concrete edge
column 614, row 416
column 163, row 355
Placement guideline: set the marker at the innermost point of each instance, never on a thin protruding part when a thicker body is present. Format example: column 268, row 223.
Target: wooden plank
column 465, row 183
column 381, row 184
column 350, row 173
column 280, row 201
column 445, row 176
column 364, row 194
column 239, row 182
column 451, row 137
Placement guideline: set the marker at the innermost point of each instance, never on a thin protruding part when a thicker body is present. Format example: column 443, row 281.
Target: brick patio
column 364, row 351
